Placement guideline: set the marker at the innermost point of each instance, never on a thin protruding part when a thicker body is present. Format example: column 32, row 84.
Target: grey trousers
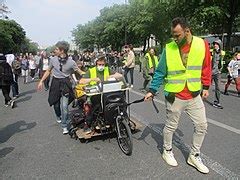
column 196, row 111
column 215, row 78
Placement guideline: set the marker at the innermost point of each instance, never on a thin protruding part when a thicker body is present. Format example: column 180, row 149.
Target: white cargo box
column 113, row 86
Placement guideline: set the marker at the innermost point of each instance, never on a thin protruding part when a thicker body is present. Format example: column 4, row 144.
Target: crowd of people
column 186, row 69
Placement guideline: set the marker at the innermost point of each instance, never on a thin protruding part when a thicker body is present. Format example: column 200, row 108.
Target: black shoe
column 217, row 105
column 226, row 93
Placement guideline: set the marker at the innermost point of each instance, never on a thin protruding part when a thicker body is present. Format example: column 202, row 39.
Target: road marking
column 216, row 123
column 178, row 142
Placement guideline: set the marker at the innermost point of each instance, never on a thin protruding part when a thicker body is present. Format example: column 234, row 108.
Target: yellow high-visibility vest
column 124, row 60
column 177, row 74
column 93, row 74
column 150, row 64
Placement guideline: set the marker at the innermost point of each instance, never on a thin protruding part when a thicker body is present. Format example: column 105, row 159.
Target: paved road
column 32, row 145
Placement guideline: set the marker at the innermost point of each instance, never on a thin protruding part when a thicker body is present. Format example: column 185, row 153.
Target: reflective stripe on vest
column 93, row 74
column 178, row 75
column 150, row 64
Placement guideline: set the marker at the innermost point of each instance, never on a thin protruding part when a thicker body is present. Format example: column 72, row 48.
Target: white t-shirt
column 234, row 66
column 45, row 64
column 32, row 64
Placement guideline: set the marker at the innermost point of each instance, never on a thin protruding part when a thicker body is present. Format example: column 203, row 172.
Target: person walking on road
column 61, row 94
column 32, row 67
column 234, row 73
column 185, row 67
column 37, row 58
column 216, row 71
column 129, row 64
column 43, row 66
column 6, row 80
column 149, row 65
column 16, row 68
column 24, row 67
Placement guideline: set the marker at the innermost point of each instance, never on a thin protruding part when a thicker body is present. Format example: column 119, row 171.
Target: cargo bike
column 110, row 116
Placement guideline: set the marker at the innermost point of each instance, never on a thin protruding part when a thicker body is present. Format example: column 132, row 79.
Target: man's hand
column 97, row 79
column 40, row 86
column 205, row 94
column 148, row 96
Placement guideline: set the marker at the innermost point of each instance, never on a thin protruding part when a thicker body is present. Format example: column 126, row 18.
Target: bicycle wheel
column 125, row 141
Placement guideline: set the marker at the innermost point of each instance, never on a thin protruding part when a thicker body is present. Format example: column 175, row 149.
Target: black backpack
column 6, row 75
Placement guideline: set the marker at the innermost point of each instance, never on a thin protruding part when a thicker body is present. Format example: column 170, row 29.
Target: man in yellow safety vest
column 149, row 64
column 185, row 71
column 99, row 73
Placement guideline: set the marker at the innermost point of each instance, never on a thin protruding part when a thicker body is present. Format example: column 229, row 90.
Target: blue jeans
column 61, row 110
column 126, row 70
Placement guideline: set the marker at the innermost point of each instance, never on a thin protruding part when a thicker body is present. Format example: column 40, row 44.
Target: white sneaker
column 168, row 156
column 196, row 161
column 12, row 103
column 58, row 120
column 65, row 131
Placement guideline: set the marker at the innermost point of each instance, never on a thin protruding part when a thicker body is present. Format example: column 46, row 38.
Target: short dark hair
column 100, row 58
column 181, row 21
column 63, row 46
column 151, row 48
column 130, row 46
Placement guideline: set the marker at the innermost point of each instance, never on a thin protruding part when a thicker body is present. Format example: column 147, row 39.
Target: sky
column 49, row 21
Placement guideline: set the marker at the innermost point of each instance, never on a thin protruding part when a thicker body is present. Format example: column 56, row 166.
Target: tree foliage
column 29, row 46
column 136, row 21
column 12, row 36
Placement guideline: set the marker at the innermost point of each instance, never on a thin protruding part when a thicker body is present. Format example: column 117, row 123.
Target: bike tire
column 125, row 142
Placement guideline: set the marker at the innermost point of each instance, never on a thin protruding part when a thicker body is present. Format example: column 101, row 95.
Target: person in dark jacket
column 217, row 66
column 60, row 94
column 6, row 80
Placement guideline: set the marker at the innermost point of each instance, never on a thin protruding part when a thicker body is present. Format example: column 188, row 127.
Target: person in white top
column 43, row 66
column 129, row 64
column 37, row 58
column 234, row 73
column 10, row 58
column 32, row 66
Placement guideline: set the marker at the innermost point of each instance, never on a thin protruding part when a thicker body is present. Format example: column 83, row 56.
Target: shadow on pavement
column 156, row 131
column 28, row 92
column 208, row 102
column 5, row 151
column 20, row 100
column 231, row 93
column 8, row 131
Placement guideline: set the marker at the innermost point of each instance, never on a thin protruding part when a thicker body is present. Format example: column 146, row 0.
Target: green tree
column 29, row 47
column 142, row 18
column 12, row 36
